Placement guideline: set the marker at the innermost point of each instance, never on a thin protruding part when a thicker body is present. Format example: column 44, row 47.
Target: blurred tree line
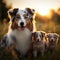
column 3, row 10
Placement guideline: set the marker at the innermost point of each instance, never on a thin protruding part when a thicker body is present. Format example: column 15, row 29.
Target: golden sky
column 42, row 6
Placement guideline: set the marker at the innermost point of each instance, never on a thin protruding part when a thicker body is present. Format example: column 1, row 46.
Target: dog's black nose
column 22, row 23
column 51, row 40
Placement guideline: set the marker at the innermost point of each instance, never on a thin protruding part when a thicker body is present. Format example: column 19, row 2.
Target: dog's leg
column 35, row 53
column 14, row 54
column 42, row 52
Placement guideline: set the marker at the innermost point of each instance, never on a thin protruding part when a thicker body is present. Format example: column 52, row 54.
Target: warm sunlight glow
column 42, row 6
column 43, row 9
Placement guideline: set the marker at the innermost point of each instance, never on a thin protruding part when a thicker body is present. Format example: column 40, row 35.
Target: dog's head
column 20, row 18
column 52, row 38
column 38, row 35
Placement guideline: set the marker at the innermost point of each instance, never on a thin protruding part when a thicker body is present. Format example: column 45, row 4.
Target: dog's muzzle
column 52, row 40
column 37, row 40
column 21, row 26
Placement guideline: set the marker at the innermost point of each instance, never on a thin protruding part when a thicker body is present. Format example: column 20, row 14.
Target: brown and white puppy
column 38, row 40
column 52, row 39
column 18, row 33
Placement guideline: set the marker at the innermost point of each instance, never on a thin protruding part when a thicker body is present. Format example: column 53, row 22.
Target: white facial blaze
column 38, row 37
column 52, row 36
column 21, row 13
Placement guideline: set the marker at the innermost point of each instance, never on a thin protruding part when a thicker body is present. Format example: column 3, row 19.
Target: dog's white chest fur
column 23, row 40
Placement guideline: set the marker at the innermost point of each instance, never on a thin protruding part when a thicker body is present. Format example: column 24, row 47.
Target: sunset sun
column 43, row 10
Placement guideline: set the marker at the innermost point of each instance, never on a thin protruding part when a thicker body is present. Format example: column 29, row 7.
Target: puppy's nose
column 22, row 23
column 37, row 40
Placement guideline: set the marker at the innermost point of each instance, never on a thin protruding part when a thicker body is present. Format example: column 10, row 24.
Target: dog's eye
column 18, row 16
column 25, row 16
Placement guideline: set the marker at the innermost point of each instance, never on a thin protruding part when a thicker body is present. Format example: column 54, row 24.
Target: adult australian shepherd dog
column 20, row 30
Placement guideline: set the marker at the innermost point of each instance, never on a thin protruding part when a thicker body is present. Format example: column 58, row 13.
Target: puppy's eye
column 49, row 36
column 55, row 37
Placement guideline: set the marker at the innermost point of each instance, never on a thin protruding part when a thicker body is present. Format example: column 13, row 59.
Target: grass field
column 40, row 26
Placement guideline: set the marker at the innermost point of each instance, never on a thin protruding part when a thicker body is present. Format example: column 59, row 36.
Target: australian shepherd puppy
column 20, row 30
column 38, row 40
column 52, row 39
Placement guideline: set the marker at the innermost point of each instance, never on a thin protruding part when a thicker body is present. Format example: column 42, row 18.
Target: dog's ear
column 13, row 12
column 33, row 36
column 30, row 11
column 10, row 12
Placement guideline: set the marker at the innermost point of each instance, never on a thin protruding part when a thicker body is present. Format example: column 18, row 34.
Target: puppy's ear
column 43, row 34
column 47, row 35
column 34, row 33
column 57, row 35
column 13, row 12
